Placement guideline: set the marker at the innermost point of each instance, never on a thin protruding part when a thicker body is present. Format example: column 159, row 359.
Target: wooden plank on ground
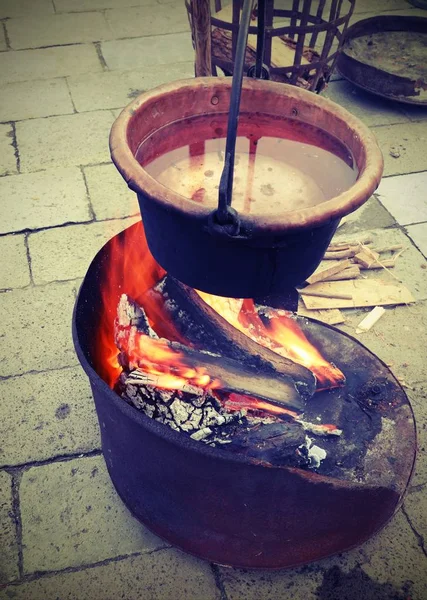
column 322, row 273
column 364, row 292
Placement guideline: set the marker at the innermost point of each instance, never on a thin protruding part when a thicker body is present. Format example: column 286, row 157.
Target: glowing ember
column 156, row 357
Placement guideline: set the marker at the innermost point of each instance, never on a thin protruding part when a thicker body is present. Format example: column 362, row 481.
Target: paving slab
column 109, row 194
column 59, row 29
column 7, row 151
column 370, row 214
column 85, row 5
column 417, row 395
column 418, row 234
column 298, row 584
column 117, row 88
column 76, row 247
column 35, row 329
column 45, row 63
column 32, row 99
column 15, row 271
column 78, row 518
column 404, row 147
column 151, row 21
column 3, row 44
column 395, row 559
column 79, row 139
column 405, row 197
column 43, row 199
column 51, row 414
column 390, row 566
column 8, row 545
column 19, row 8
column 370, row 109
column 163, row 575
column 145, row 51
column 392, row 339
column 416, row 509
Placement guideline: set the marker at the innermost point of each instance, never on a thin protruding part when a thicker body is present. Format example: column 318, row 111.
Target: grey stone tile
column 20, row 8
column 391, row 565
column 52, row 414
column 32, row 99
column 76, row 246
column 3, row 45
column 163, row 575
column 35, row 329
column 7, row 151
column 14, row 272
column 142, row 21
column 417, row 396
column 370, row 109
column 79, row 139
column 60, row 29
column 395, row 559
column 26, row 65
column 8, row 544
column 418, row 234
column 298, row 584
column 43, row 199
column 392, row 339
column 117, row 88
column 78, row 518
column 84, row 5
column 109, row 194
column 405, row 197
column 372, row 213
column 416, row 509
column 404, row 147
column 143, row 52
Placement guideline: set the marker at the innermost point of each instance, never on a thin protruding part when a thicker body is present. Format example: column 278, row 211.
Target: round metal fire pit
column 271, row 252
column 239, row 511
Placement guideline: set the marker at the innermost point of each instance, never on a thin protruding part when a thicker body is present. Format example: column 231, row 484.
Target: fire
column 281, row 333
column 166, row 365
column 236, row 402
column 130, row 268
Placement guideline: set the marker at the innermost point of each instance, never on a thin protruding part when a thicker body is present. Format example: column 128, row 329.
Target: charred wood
column 205, row 329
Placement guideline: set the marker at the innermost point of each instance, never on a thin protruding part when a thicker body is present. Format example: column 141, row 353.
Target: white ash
column 315, row 453
column 188, row 410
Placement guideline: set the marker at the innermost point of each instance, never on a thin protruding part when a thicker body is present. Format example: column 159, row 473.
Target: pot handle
column 225, row 216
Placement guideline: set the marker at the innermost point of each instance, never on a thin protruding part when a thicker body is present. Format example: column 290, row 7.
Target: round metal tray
column 387, row 56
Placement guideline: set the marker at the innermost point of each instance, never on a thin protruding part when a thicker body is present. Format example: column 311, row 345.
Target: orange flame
column 130, row 268
column 236, row 402
column 282, row 334
column 167, row 365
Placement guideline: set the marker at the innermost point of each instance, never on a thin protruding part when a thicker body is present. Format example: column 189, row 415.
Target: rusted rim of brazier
column 209, row 96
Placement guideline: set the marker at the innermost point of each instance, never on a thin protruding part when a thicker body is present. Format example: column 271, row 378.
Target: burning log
column 212, row 399
column 176, row 364
column 205, row 329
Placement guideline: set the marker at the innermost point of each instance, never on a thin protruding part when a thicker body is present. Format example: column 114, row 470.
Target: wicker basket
column 302, row 40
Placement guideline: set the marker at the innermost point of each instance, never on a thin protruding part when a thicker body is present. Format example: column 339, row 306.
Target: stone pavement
column 67, row 67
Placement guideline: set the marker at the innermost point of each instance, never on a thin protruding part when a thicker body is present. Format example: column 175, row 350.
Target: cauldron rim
column 370, row 162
